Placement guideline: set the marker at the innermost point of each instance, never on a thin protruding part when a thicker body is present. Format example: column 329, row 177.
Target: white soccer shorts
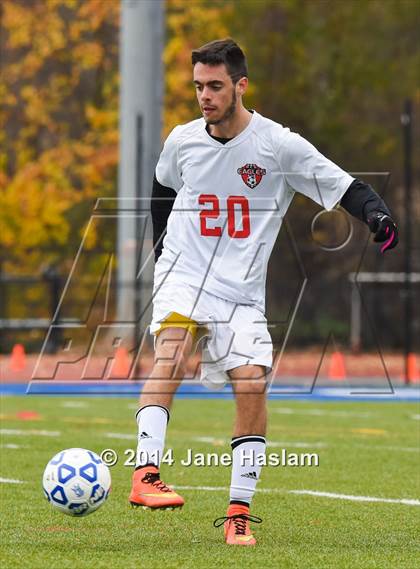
column 236, row 334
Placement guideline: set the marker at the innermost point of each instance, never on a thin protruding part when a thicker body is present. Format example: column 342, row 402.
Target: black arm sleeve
column 360, row 200
column 161, row 206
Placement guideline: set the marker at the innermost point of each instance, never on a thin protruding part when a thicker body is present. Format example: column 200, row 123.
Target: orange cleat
column 149, row 492
column 236, row 525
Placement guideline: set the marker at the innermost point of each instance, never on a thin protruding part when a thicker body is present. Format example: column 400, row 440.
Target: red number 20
column 214, row 213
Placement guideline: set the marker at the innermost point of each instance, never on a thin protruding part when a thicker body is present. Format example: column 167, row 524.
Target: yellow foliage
column 189, row 25
column 88, row 54
column 60, row 124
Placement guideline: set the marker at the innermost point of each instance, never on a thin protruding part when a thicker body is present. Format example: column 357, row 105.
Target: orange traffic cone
column 121, row 367
column 337, row 369
column 412, row 369
column 18, row 358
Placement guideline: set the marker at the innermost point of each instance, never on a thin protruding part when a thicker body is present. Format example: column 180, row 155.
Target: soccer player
column 222, row 186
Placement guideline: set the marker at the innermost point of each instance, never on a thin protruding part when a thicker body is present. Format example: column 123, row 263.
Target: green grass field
column 365, row 449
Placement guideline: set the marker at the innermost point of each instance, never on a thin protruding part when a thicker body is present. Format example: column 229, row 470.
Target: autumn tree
column 337, row 72
column 59, row 116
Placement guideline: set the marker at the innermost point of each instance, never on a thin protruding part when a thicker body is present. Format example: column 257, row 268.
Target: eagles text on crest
column 251, row 174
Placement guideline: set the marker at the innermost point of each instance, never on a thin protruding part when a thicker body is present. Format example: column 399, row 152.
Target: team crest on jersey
column 251, row 174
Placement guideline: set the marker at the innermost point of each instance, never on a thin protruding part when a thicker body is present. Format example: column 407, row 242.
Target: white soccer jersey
column 231, row 200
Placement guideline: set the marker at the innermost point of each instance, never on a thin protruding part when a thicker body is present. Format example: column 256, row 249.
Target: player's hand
column 385, row 230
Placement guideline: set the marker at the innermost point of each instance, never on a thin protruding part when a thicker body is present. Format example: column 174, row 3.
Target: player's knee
column 251, row 385
column 249, row 379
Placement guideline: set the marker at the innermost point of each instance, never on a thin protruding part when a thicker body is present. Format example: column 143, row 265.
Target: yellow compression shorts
column 175, row 320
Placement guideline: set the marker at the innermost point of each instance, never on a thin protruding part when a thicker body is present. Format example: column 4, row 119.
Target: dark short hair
column 223, row 51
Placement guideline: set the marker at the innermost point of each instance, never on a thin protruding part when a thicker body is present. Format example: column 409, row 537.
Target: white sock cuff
column 164, row 410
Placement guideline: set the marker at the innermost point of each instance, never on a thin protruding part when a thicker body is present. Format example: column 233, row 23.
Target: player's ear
column 242, row 85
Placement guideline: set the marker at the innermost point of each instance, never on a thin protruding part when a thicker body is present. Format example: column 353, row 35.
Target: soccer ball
column 76, row 482
column 252, row 181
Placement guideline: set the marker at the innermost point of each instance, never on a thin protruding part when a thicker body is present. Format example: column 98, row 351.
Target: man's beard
column 228, row 113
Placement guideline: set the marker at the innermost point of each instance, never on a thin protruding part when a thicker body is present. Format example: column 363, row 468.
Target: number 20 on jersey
column 237, row 207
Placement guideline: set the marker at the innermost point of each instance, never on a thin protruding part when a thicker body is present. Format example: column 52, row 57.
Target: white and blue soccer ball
column 76, row 482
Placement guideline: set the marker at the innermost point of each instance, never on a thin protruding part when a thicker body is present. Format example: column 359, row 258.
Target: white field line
column 405, row 501
column 295, row 444
column 123, row 436
column 11, row 445
column 74, row 404
column 206, row 488
column 319, row 412
column 393, row 448
column 274, row 444
column 209, row 440
column 22, row 432
column 11, row 481
column 415, row 417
